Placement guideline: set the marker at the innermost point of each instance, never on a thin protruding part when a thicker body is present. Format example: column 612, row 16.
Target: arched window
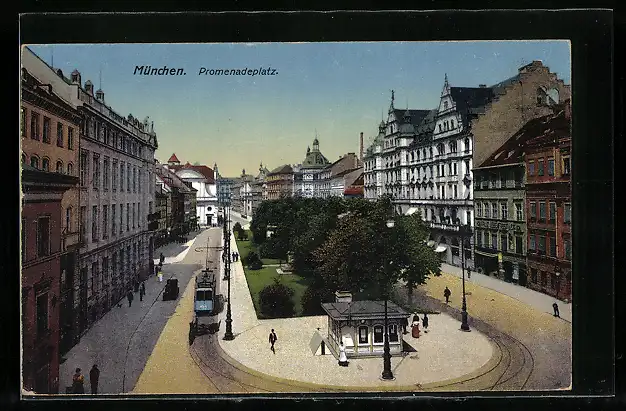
column 34, row 161
column 393, row 333
column 452, row 124
column 467, row 145
column 440, row 149
column 68, row 219
column 364, row 335
column 445, row 105
column 378, row 334
column 45, row 164
column 70, row 169
column 59, row 166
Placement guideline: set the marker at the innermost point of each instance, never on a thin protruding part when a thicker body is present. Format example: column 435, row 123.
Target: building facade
column 312, row 167
column 280, row 182
column 117, row 196
column 331, row 178
column 45, row 277
column 549, row 206
column 259, row 188
column 50, row 140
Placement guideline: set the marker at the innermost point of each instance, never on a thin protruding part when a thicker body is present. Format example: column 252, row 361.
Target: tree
column 312, row 300
column 253, row 261
column 275, row 300
column 237, row 227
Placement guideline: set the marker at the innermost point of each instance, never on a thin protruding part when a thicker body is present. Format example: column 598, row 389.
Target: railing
column 444, row 226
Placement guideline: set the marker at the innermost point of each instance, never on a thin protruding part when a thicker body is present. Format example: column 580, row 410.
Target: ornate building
column 117, row 196
column 202, row 179
column 313, row 165
column 280, row 182
column 259, row 188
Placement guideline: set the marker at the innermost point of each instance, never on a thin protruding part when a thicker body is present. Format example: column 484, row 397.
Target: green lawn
column 246, row 246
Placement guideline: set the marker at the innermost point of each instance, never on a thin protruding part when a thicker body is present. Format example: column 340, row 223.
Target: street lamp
column 229, row 320
column 387, row 373
column 465, row 231
column 558, row 280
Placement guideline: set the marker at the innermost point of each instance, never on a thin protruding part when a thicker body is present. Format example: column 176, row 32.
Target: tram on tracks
column 205, row 304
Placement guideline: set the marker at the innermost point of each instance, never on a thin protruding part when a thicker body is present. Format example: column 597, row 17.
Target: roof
column 171, row 179
column 416, row 116
column 173, row 159
column 471, row 100
column 367, row 309
column 284, row 169
column 498, row 89
column 314, row 158
column 206, row 172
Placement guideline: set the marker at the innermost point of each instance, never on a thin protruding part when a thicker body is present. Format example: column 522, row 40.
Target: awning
column 411, row 211
column 440, row 249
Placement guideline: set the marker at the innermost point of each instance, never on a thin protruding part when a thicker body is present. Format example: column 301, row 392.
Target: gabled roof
column 284, row 169
column 206, row 172
column 416, row 116
column 173, row 159
column 171, row 179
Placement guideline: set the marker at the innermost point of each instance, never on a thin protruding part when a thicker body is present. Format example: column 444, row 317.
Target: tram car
column 205, row 302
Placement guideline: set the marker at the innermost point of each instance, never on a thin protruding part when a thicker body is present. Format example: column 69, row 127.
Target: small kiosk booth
column 360, row 325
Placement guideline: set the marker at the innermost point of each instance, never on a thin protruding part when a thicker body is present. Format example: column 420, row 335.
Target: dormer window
column 452, row 124
column 440, row 128
column 445, row 105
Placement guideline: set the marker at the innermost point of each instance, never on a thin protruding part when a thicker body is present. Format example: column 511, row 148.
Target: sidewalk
column 445, row 353
column 537, row 300
column 175, row 252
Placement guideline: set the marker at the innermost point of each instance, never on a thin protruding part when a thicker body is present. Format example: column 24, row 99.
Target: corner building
column 117, row 196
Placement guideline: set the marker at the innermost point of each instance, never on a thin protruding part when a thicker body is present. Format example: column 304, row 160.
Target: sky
column 336, row 90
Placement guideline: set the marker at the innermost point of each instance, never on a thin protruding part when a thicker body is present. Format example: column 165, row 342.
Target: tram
column 205, row 302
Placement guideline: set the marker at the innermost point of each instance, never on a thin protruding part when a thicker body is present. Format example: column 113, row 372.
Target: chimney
column 361, row 147
column 343, row 296
column 482, row 85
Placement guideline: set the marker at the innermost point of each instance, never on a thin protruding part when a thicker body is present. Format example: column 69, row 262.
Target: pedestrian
column 233, row 256
column 555, row 307
column 237, row 254
column 425, row 322
column 160, row 276
column 94, row 375
column 130, row 297
column 162, row 258
column 273, row 339
column 405, row 323
column 142, row 291
column 447, row 293
column 78, row 382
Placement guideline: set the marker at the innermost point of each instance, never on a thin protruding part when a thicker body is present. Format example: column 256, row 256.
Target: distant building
column 44, row 277
column 313, row 165
column 280, row 182
column 259, row 188
column 331, row 181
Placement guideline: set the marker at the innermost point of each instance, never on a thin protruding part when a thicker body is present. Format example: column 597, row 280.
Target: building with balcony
column 46, row 280
column 280, row 182
column 50, row 139
column 202, row 179
column 499, row 204
column 313, row 165
column 549, row 205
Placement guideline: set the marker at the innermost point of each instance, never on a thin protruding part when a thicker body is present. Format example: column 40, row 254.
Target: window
column 121, row 218
column 566, row 166
column 134, row 179
column 479, row 238
column 504, row 243
column 455, row 191
column 487, row 210
column 532, row 245
column 542, row 211
column 70, row 138
column 519, row 214
column 540, row 167
column 70, row 169
column 393, row 333
column 59, row 168
column 68, row 219
column 452, row 126
column 94, row 223
column 34, row 161
column 552, row 212
column 494, row 241
column 113, row 221
column 533, row 211
column 46, row 130
column 494, row 210
column 134, row 208
column 479, row 209
column 542, row 244
column 83, row 223
column 105, row 181
column 550, row 166
column 454, row 169
column 96, row 171
column 445, row 105
column 440, row 128
column 128, row 185
column 552, row 245
column 504, row 211
column 34, row 126
column 363, row 335
column 43, row 236
column 567, row 213
column 59, row 134
column 84, row 168
column 127, row 216
column 122, row 168
column 45, row 164
column 105, row 221
column 23, row 122
column 531, row 168
column 114, row 172
column 518, row 244
column 42, row 315
column 567, row 248
column 378, row 334
column 468, row 215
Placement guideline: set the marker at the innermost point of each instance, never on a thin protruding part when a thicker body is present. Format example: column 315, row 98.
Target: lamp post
column 229, row 320
column 387, row 373
column 558, row 280
column 465, row 230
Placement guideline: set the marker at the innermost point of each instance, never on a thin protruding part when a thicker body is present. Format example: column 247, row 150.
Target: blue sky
column 338, row 89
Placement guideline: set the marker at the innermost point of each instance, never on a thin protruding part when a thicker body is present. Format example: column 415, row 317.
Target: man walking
column 142, row 291
column 555, row 307
column 447, row 293
column 273, row 339
column 130, row 297
column 425, row 322
column 94, row 375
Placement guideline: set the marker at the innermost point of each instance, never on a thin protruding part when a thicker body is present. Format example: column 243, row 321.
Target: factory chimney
column 361, row 148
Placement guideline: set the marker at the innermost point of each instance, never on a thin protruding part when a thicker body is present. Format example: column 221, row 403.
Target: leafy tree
column 237, row 227
column 275, row 300
column 253, row 261
column 312, row 300
column 243, row 235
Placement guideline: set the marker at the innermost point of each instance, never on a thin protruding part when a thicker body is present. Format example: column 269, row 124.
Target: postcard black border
column 591, row 34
